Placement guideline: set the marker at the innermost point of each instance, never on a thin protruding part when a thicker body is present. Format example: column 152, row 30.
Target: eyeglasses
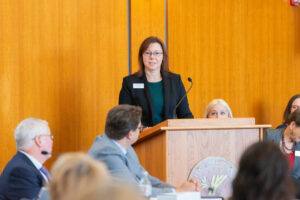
column 155, row 54
column 51, row 136
column 141, row 128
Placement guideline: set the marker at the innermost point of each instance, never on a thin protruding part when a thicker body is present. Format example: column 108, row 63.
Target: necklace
column 285, row 149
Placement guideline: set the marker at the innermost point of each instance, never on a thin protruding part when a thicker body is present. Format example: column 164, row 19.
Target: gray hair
column 27, row 130
column 216, row 102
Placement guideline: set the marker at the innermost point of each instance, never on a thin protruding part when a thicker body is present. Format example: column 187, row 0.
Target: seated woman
column 76, row 176
column 218, row 108
column 154, row 88
column 288, row 139
column 263, row 174
column 292, row 105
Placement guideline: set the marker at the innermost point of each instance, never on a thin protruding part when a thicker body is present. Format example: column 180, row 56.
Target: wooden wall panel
column 147, row 18
column 246, row 52
column 62, row 61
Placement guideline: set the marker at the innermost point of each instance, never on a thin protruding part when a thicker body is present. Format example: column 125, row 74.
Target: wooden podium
column 172, row 148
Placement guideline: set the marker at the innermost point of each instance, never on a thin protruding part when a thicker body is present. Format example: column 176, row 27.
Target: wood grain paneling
column 152, row 154
column 62, row 61
column 147, row 19
column 246, row 52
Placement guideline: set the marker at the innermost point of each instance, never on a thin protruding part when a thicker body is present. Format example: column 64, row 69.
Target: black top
column 135, row 91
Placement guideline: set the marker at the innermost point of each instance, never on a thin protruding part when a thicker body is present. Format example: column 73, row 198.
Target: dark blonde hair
column 111, row 191
column 73, row 173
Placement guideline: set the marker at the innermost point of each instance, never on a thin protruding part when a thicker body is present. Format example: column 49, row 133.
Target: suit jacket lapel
column 148, row 97
column 132, row 167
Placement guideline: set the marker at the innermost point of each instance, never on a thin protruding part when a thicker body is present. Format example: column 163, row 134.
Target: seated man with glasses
column 24, row 175
column 114, row 148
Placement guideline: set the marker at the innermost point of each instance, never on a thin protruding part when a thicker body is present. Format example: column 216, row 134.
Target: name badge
column 297, row 153
column 138, row 86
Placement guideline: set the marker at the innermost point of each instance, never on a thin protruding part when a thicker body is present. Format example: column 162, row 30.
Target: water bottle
column 145, row 185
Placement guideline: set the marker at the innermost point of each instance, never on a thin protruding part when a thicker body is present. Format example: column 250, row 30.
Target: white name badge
column 138, row 86
column 297, row 153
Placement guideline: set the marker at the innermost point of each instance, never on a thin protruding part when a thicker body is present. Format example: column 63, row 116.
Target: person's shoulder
column 132, row 77
column 275, row 131
column 103, row 146
column 273, row 134
column 281, row 126
column 171, row 75
column 173, row 78
column 18, row 160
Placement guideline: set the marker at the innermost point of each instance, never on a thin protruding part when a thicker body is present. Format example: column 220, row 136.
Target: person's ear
column 38, row 141
column 129, row 135
column 292, row 125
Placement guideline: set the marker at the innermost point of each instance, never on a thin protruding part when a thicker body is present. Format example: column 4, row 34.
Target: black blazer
column 20, row 179
column 135, row 91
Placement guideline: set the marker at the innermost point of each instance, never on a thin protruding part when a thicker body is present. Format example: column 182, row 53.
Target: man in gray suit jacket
column 122, row 129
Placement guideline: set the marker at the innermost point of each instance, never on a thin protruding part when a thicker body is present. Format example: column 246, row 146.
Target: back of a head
column 73, row 174
column 27, row 130
column 121, row 119
column 263, row 174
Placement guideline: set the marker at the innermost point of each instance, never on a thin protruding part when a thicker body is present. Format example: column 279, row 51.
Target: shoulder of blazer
column 24, row 159
column 133, row 78
column 170, row 75
column 20, row 159
column 274, row 134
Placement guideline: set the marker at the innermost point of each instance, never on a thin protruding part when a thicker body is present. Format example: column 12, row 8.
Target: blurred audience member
column 74, row 174
column 263, row 175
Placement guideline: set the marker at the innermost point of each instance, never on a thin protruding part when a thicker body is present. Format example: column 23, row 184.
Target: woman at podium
column 154, row 88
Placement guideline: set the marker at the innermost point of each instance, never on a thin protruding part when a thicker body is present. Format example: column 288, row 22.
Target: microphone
column 174, row 111
column 48, row 153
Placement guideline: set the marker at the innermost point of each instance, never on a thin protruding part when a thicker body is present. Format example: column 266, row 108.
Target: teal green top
column 156, row 90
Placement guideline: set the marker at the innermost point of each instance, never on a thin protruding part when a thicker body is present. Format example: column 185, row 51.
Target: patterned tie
column 45, row 172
